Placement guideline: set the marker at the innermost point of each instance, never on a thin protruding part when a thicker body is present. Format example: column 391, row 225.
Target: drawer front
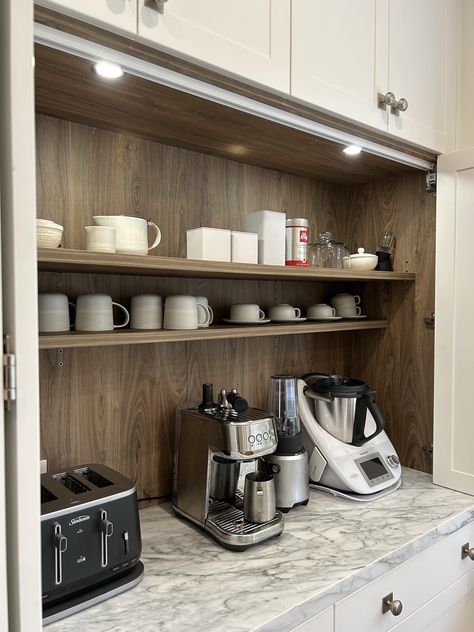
column 322, row 622
column 413, row 583
column 450, row 611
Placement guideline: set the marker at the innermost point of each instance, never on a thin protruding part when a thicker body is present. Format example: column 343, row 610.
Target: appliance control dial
column 393, row 461
column 251, row 439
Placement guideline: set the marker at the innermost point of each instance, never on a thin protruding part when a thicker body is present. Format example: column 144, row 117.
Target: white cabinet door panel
column 323, row 622
column 113, row 15
column 422, row 69
column 453, row 464
column 450, row 611
column 20, row 306
column 245, row 38
column 414, row 583
column 339, row 56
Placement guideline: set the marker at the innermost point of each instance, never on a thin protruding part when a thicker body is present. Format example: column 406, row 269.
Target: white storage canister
column 297, row 242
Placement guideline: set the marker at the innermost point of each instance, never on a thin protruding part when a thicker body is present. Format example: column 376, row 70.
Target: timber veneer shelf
column 215, row 332
column 68, row 260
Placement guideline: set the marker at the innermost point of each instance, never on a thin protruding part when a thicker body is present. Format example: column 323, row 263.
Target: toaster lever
column 107, row 530
column 60, row 546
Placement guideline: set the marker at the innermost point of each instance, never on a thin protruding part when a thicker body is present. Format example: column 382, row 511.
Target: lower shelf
column 215, row 332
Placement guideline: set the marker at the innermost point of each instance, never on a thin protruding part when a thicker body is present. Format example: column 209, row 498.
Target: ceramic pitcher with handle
column 131, row 233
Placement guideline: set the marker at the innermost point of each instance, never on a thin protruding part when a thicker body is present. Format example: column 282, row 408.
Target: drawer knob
column 157, row 5
column 467, row 552
column 389, row 604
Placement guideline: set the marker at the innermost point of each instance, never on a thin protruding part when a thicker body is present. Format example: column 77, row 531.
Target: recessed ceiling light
column 107, row 70
column 352, row 150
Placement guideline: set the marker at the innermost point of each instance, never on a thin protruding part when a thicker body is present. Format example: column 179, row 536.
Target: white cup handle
column 333, row 311
column 357, row 299
column 261, row 314
column 207, row 311
column 157, row 234
column 127, row 315
column 358, row 311
column 211, row 313
column 297, row 312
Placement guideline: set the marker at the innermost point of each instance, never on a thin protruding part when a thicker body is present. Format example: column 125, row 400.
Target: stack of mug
column 94, row 312
column 347, row 305
column 122, row 234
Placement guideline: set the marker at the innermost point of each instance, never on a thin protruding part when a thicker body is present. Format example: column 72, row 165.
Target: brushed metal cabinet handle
column 157, row 5
column 385, row 99
column 399, row 106
column 389, row 604
column 467, row 552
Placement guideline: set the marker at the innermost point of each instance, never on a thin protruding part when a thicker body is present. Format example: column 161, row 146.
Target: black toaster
column 90, row 538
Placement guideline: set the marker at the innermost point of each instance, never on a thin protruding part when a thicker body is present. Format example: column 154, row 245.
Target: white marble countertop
column 327, row 550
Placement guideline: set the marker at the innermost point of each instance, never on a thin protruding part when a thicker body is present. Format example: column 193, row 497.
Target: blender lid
column 339, row 386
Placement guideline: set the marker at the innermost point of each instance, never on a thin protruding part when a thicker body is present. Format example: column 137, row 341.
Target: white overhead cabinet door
column 422, row 69
column 339, row 56
column 246, row 38
column 113, row 15
column 454, row 330
column 345, row 53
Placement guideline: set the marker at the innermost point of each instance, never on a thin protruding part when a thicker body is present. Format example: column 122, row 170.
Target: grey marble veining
column 327, row 550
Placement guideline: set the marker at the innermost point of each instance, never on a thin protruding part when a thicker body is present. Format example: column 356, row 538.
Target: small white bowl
column 48, row 234
column 363, row 260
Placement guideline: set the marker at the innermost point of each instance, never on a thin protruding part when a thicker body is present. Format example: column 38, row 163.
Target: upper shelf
column 67, row 260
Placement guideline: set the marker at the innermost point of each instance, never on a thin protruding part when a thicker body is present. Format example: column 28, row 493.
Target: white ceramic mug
column 100, row 238
column 131, row 233
column 284, row 312
column 181, row 312
column 204, row 310
column 146, row 311
column 53, row 312
column 320, row 310
column 94, row 312
column 345, row 300
column 246, row 312
column 349, row 311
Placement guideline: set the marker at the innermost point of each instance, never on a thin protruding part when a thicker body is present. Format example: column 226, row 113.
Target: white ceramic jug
column 131, row 233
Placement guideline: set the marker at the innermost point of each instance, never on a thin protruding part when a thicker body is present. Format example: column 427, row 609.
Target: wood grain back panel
column 117, row 405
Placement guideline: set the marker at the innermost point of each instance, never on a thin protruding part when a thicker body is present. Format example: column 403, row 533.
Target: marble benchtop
column 328, row 549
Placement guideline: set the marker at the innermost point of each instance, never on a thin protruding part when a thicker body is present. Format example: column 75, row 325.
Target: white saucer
column 325, row 318
column 246, row 322
column 288, row 320
column 354, row 317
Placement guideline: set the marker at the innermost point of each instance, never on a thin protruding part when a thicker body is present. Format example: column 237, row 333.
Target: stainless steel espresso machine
column 212, row 440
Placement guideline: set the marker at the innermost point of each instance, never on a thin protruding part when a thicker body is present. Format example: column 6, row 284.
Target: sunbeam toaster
column 90, row 538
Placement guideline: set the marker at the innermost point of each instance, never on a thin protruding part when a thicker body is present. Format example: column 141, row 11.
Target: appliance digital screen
column 373, row 468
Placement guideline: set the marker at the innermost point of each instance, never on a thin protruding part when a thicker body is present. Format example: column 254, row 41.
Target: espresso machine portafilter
column 212, row 440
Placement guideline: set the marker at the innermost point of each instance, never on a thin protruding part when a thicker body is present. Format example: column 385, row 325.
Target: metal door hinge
column 431, row 181
column 430, row 321
column 9, row 374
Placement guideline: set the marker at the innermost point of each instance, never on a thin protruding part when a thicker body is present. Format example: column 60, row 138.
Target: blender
column 289, row 463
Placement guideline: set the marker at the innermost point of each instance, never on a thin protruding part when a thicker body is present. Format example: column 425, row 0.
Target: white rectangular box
column 244, row 247
column 211, row 244
column 270, row 226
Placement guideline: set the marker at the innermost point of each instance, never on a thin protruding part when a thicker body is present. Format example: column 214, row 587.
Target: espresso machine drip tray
column 227, row 524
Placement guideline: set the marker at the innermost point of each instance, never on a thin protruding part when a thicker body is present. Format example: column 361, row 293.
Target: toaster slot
column 93, row 477
column 75, row 486
column 46, row 495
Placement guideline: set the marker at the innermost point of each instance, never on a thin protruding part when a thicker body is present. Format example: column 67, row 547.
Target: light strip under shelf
column 93, row 52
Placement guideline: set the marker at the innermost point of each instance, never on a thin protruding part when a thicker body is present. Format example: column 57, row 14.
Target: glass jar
column 321, row 252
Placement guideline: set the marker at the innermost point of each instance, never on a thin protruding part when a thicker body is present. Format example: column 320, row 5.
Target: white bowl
column 48, row 234
column 363, row 260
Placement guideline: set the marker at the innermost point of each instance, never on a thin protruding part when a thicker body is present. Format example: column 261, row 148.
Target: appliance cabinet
column 345, row 53
column 114, row 15
column 246, row 38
